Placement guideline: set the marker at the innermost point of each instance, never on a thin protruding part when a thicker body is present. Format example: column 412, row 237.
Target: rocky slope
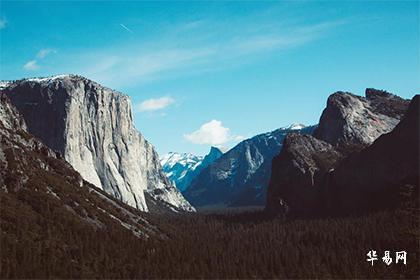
column 297, row 172
column 305, row 177
column 91, row 126
column 372, row 177
column 352, row 122
column 181, row 169
column 37, row 187
column 240, row 177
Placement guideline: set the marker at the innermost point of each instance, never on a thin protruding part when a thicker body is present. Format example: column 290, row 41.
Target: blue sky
column 213, row 73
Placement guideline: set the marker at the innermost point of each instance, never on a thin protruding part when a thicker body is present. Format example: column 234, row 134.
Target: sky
column 203, row 73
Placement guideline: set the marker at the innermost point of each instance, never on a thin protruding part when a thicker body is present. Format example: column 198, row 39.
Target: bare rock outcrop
column 37, row 185
column 352, row 122
column 297, row 173
column 342, row 168
column 371, row 178
column 91, row 126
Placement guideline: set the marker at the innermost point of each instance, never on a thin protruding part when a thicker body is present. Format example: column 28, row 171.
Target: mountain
column 178, row 168
column 181, row 169
column 372, row 177
column 352, row 122
column 306, row 176
column 240, row 176
column 91, row 126
column 38, row 187
column 300, row 167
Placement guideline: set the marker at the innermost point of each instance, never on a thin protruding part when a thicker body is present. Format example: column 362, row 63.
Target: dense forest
column 228, row 245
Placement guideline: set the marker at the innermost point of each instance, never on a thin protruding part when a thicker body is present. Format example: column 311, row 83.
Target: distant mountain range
column 360, row 152
column 240, row 176
column 181, row 169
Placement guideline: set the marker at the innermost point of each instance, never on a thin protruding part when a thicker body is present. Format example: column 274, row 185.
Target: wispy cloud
column 126, row 28
column 155, row 104
column 31, row 65
column 3, row 23
column 212, row 133
column 126, row 66
column 190, row 48
column 42, row 53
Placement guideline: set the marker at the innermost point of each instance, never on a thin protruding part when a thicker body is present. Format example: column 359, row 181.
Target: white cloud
column 31, row 65
column 155, row 104
column 212, row 133
column 42, row 53
column 3, row 23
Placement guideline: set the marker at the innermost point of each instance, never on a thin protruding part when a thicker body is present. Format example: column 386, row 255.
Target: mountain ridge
column 303, row 180
column 182, row 168
column 240, row 177
column 37, row 178
column 91, row 126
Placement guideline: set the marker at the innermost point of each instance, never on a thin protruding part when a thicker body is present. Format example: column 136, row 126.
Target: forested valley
column 222, row 245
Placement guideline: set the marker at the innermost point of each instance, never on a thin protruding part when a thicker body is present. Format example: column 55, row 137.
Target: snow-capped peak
column 4, row 84
column 184, row 159
column 294, row 126
column 182, row 168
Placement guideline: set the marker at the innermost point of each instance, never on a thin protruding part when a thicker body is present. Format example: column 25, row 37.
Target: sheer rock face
column 373, row 175
column 353, row 122
column 18, row 149
column 92, row 128
column 35, row 180
column 337, row 170
column 297, row 172
column 9, row 116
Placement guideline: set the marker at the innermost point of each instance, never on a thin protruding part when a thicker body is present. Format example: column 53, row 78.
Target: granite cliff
column 343, row 166
column 352, row 122
column 38, row 187
column 92, row 128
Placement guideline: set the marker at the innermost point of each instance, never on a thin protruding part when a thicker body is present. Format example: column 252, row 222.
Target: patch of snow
column 169, row 160
column 48, row 79
column 4, row 84
column 294, row 126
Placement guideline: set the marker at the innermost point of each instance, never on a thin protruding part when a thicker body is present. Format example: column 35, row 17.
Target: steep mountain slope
column 181, row 169
column 37, row 186
column 240, row 177
column 352, row 122
column 91, row 126
column 304, row 180
column 297, row 171
column 371, row 177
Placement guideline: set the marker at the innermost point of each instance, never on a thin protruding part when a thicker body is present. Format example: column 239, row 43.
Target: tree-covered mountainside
column 244, row 245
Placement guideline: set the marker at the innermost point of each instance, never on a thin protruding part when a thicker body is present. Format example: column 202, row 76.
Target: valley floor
column 236, row 245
